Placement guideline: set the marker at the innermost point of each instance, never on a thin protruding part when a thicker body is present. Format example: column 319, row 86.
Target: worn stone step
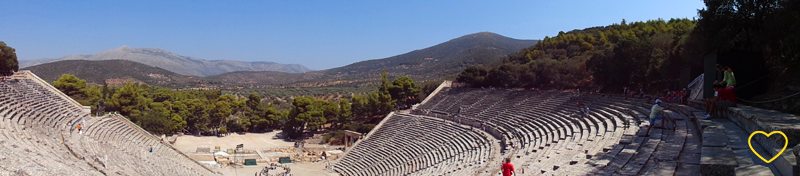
column 753, row 170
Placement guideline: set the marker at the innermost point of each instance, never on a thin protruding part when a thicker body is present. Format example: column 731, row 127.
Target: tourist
column 625, row 91
column 728, row 78
column 583, row 113
column 684, row 95
column 711, row 102
column 641, row 93
column 655, row 114
column 677, row 95
column 725, row 99
column 508, row 169
column 669, row 95
column 80, row 131
column 151, row 149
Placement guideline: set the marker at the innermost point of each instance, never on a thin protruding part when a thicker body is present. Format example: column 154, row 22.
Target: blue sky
column 316, row 34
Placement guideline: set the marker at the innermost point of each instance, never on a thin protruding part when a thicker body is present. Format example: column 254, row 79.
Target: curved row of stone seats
column 417, row 145
column 564, row 135
column 30, row 94
column 28, row 141
column 633, row 155
column 575, row 148
column 549, row 133
column 127, row 150
column 38, row 137
column 556, row 141
column 503, row 110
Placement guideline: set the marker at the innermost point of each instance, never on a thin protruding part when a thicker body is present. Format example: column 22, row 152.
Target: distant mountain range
column 114, row 73
column 438, row 62
column 433, row 63
column 176, row 63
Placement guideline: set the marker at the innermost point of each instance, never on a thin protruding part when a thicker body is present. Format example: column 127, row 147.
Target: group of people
column 584, row 112
column 723, row 92
column 677, row 96
column 628, row 92
column 273, row 166
column 538, row 92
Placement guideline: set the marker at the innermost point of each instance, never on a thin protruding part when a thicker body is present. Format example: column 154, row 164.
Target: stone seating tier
column 38, row 137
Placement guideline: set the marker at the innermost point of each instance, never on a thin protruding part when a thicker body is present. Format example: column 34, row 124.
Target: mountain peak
column 485, row 36
column 486, row 33
column 123, row 48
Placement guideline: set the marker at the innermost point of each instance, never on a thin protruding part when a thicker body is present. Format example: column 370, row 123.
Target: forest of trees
column 622, row 54
column 164, row 111
column 630, row 54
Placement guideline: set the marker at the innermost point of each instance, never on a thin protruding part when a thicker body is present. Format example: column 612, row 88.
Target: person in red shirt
column 726, row 94
column 508, row 169
column 725, row 98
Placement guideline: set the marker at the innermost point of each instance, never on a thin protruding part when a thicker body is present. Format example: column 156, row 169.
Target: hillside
column 433, row 63
column 627, row 54
column 442, row 60
column 176, row 63
column 113, row 72
column 243, row 78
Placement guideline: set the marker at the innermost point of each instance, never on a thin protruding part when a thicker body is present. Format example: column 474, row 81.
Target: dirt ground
column 298, row 169
column 256, row 141
column 253, row 141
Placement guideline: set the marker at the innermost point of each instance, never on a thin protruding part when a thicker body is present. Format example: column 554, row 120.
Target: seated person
column 727, row 98
column 711, row 101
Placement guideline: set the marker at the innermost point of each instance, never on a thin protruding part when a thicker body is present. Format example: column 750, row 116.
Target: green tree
column 219, row 113
column 383, row 101
column 253, row 101
column 77, row 89
column 473, row 75
column 304, row 115
column 8, row 60
column 71, row 85
column 345, row 112
column 330, row 110
column 196, row 114
column 178, row 124
column 404, row 92
column 360, row 106
column 127, row 100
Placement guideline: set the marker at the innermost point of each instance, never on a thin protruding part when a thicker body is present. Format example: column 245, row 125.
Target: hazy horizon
column 318, row 35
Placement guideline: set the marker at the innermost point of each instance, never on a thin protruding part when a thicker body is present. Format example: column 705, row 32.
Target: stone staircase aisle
column 665, row 152
column 728, row 151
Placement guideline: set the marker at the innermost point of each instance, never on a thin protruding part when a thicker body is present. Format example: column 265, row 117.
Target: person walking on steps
column 508, row 169
column 655, row 114
column 80, row 131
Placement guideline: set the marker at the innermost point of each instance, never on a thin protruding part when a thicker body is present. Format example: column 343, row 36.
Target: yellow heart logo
column 762, row 132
